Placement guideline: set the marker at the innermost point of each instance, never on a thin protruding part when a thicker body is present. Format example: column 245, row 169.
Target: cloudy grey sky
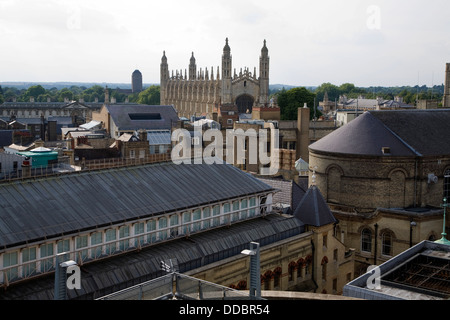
column 365, row 42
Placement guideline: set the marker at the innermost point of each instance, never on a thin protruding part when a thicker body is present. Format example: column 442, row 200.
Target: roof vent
column 386, row 150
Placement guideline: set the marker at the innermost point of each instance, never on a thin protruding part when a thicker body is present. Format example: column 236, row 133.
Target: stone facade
column 315, row 261
column 201, row 93
column 385, row 200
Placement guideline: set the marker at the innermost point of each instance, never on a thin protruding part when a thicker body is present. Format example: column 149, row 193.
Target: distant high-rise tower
column 136, row 81
column 446, row 100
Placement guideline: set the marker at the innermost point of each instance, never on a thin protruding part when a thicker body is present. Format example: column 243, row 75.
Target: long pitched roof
column 405, row 132
column 139, row 116
column 32, row 210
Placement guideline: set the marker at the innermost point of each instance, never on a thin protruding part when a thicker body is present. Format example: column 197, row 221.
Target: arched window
column 386, row 244
column 366, row 240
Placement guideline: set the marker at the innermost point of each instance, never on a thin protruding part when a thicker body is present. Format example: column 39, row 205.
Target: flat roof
column 419, row 273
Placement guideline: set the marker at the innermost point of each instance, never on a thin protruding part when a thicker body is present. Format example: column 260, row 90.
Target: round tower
column 136, row 81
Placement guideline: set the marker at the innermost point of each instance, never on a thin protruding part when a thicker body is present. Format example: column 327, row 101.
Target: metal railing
column 179, row 287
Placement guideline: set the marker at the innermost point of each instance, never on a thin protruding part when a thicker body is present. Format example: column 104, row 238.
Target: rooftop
column 419, row 273
column 139, row 116
column 405, row 132
column 54, row 206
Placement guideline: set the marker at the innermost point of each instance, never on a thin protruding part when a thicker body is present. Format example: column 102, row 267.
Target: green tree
column 65, row 93
column 332, row 90
column 33, row 91
column 289, row 102
column 150, row 96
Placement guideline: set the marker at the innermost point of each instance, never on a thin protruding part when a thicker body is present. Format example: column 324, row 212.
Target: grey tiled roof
column 31, row 210
column 120, row 114
column 313, row 209
column 405, row 132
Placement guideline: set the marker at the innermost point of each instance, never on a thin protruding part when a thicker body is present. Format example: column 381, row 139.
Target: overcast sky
column 368, row 43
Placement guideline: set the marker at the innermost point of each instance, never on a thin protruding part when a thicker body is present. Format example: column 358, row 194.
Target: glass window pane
column 151, row 227
column 46, row 250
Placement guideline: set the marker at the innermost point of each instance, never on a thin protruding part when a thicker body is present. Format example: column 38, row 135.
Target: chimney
column 31, row 99
column 26, row 167
column 106, row 95
column 49, row 99
column 142, row 135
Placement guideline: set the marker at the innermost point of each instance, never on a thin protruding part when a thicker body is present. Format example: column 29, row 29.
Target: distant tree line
column 290, row 100
column 150, row 95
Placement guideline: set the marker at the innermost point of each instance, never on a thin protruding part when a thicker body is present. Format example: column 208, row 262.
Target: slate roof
column 313, row 209
column 31, row 210
column 120, row 114
column 405, row 132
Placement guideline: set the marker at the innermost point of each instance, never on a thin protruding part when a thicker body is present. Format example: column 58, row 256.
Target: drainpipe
column 376, row 245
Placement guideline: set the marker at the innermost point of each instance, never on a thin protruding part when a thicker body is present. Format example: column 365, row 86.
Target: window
column 244, row 205
column 186, row 222
column 206, row 215
column 324, row 264
column 226, row 210
column 141, row 154
column 81, row 242
column 235, row 214
column 196, row 216
column 174, row 225
column 162, row 224
column 124, row 232
column 96, row 240
column 29, row 261
column 386, row 244
column 447, row 184
column 132, row 154
column 366, row 240
column 252, row 210
column 139, row 229
column 110, row 235
column 11, row 259
column 325, row 240
column 46, row 251
column 216, row 213
column 151, row 228
column 61, row 247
